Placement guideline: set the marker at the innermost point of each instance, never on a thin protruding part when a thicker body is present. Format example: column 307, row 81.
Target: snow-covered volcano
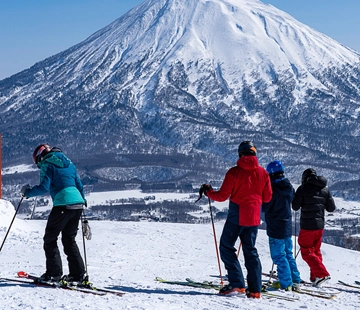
column 178, row 84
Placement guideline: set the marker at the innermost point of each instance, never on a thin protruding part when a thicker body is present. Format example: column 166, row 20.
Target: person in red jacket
column 248, row 186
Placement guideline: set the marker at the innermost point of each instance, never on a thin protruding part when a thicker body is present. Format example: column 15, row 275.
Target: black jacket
column 278, row 210
column 313, row 197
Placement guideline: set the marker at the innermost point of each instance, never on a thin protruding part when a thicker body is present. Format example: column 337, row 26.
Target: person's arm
column 266, row 206
column 225, row 190
column 79, row 186
column 267, row 192
column 44, row 186
column 298, row 199
column 330, row 203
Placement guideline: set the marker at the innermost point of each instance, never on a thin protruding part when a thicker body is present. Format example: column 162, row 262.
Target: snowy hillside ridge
column 127, row 256
column 177, row 85
column 19, row 169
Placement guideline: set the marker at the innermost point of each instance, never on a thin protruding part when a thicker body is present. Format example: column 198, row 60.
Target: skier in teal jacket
column 58, row 176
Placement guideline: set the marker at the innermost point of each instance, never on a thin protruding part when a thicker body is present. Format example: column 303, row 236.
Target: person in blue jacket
column 278, row 220
column 59, row 176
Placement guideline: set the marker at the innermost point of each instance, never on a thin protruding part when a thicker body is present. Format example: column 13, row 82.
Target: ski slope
column 129, row 255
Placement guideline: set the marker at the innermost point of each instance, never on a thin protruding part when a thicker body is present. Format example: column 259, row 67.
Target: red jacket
column 247, row 185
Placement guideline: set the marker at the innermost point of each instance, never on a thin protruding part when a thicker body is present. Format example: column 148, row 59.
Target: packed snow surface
column 127, row 256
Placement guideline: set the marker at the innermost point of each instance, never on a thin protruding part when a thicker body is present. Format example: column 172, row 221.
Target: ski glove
column 204, row 189
column 86, row 230
column 24, row 188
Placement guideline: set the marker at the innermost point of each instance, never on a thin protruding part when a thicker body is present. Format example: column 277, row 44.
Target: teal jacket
column 58, row 175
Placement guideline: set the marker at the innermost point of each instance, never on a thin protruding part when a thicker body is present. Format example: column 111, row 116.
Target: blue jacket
column 58, row 175
column 278, row 215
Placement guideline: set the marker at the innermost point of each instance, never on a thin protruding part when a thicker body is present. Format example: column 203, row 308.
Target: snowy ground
column 129, row 255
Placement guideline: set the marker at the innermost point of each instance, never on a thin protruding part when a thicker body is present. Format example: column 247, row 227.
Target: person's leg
column 228, row 254
column 305, row 240
column 278, row 255
column 75, row 261
column 56, row 222
column 310, row 242
column 252, row 262
column 295, row 274
column 320, row 270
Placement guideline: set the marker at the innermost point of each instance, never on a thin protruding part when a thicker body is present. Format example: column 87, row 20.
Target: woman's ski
column 86, row 288
column 52, row 285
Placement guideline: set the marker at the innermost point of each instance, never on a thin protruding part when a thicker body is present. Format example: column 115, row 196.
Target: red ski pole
column 238, row 252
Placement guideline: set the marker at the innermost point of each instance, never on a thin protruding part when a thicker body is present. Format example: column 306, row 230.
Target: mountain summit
column 167, row 92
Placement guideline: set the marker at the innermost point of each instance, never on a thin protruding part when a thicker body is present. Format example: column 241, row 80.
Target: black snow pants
column 65, row 221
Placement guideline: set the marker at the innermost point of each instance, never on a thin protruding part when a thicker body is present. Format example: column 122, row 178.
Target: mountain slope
column 191, row 78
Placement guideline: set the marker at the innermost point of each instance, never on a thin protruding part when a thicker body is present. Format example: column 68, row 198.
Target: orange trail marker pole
column 0, row 166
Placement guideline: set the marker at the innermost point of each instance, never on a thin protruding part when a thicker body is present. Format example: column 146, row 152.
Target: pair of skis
column 329, row 293
column 210, row 285
column 25, row 278
column 315, row 292
column 356, row 284
column 307, row 288
column 189, row 282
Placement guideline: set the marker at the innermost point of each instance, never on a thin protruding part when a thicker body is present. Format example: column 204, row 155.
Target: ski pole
column 295, row 234
column 216, row 246
column 12, row 221
column 83, row 237
column 272, row 272
column 239, row 249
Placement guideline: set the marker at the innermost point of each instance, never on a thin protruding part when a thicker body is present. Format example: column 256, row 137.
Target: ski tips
column 22, row 274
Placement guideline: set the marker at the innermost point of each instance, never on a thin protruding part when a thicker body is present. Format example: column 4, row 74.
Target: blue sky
column 31, row 31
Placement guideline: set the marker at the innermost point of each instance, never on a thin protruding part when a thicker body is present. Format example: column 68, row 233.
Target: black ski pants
column 65, row 221
column 247, row 235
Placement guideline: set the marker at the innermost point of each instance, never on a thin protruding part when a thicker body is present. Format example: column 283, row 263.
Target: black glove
column 204, row 189
column 24, row 188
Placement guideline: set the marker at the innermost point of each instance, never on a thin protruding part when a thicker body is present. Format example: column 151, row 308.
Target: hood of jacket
column 55, row 158
column 317, row 180
column 283, row 186
column 248, row 162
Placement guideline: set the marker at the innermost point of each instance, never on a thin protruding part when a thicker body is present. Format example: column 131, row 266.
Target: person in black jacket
column 278, row 218
column 313, row 197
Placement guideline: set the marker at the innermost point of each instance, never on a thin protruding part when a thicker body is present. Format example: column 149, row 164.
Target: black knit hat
column 307, row 174
column 247, row 148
